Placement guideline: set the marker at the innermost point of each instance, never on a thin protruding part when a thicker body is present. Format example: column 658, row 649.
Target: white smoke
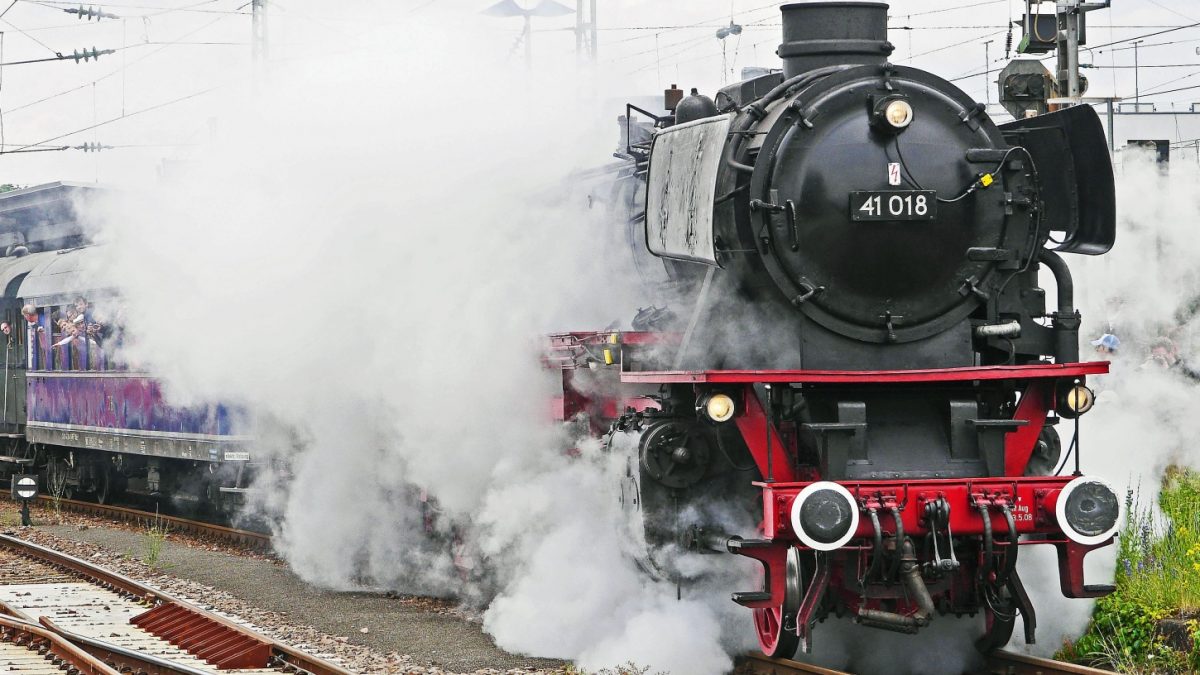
column 1144, row 420
column 366, row 258
column 366, row 261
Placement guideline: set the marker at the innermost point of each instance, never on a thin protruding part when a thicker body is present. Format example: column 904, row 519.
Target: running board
column 15, row 460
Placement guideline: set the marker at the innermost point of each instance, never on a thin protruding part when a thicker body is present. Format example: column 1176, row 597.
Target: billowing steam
column 365, row 260
column 1146, row 291
column 367, row 266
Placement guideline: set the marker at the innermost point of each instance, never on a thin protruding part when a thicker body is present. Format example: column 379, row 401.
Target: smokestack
column 818, row 34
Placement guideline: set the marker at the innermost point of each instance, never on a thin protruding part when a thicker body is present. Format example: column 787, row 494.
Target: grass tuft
column 1157, row 578
column 153, row 541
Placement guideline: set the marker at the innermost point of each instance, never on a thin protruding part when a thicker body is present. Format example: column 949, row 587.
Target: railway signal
column 24, row 488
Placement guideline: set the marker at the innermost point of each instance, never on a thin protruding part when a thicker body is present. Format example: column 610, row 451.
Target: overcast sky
column 168, row 49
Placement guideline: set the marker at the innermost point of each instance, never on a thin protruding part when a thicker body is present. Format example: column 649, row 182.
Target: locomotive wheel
column 774, row 640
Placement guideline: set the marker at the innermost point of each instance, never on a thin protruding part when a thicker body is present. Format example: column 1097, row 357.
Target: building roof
column 44, row 217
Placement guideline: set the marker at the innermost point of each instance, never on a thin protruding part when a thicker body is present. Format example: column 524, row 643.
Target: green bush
column 1157, row 577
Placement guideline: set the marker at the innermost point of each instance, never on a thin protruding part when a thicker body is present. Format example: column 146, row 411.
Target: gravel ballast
column 365, row 632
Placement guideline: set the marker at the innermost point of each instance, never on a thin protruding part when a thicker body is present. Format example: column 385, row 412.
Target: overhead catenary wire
column 116, row 71
column 113, row 120
column 1131, row 38
column 76, row 56
column 192, row 8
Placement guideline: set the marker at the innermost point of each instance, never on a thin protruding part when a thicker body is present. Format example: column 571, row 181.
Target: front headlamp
column 718, row 407
column 898, row 113
column 1075, row 401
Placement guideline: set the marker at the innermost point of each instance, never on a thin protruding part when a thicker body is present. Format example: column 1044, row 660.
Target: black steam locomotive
column 859, row 349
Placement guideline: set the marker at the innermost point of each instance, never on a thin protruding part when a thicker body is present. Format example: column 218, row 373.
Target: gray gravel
column 428, row 634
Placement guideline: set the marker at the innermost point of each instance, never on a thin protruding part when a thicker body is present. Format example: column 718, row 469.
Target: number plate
column 893, row 205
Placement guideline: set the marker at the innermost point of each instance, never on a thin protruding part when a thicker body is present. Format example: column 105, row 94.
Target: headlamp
column 898, row 114
column 1075, row 401
column 718, row 407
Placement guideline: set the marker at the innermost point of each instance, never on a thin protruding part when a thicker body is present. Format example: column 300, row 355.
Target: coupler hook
column 937, row 513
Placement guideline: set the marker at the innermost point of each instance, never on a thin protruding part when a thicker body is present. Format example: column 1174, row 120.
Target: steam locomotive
column 857, row 351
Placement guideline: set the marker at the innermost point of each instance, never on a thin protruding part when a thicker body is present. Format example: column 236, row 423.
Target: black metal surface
column 1071, row 154
column 695, row 106
column 1092, row 509
column 826, row 515
column 888, row 281
column 818, row 34
column 805, row 282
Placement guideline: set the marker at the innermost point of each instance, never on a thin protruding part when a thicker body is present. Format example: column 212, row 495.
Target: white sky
column 946, row 37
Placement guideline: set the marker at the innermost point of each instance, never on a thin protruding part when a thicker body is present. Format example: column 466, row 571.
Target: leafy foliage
column 1157, row 578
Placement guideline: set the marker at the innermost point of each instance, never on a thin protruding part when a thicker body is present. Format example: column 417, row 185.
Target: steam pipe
column 1066, row 319
column 1009, row 329
column 895, row 569
column 910, row 576
column 877, row 558
column 702, row 539
column 756, row 111
column 1010, row 558
column 988, row 561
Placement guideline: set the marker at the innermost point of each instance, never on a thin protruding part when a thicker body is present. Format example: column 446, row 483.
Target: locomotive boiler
column 859, row 350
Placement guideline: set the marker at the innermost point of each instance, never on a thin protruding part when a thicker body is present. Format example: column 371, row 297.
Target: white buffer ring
column 1060, row 512
column 799, row 502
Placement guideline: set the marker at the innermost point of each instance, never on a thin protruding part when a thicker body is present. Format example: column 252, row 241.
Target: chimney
column 819, row 34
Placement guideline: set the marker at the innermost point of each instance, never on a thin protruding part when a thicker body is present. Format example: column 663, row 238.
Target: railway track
column 130, row 626
column 33, row 650
column 998, row 663
column 247, row 538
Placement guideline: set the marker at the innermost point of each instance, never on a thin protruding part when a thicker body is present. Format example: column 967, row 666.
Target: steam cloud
column 366, row 267
column 1145, row 419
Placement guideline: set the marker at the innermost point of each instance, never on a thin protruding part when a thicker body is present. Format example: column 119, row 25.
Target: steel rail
column 127, row 660
column 282, row 656
column 762, row 664
column 247, row 538
column 998, row 663
column 52, row 647
column 1011, row 663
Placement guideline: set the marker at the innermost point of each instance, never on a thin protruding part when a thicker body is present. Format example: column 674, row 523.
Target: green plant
column 1157, row 578
column 56, row 479
column 153, row 541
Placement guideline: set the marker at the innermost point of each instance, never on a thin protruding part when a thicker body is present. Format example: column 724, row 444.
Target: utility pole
column 1137, row 89
column 258, row 41
column 1070, row 21
column 987, row 73
column 544, row 8
column 585, row 30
